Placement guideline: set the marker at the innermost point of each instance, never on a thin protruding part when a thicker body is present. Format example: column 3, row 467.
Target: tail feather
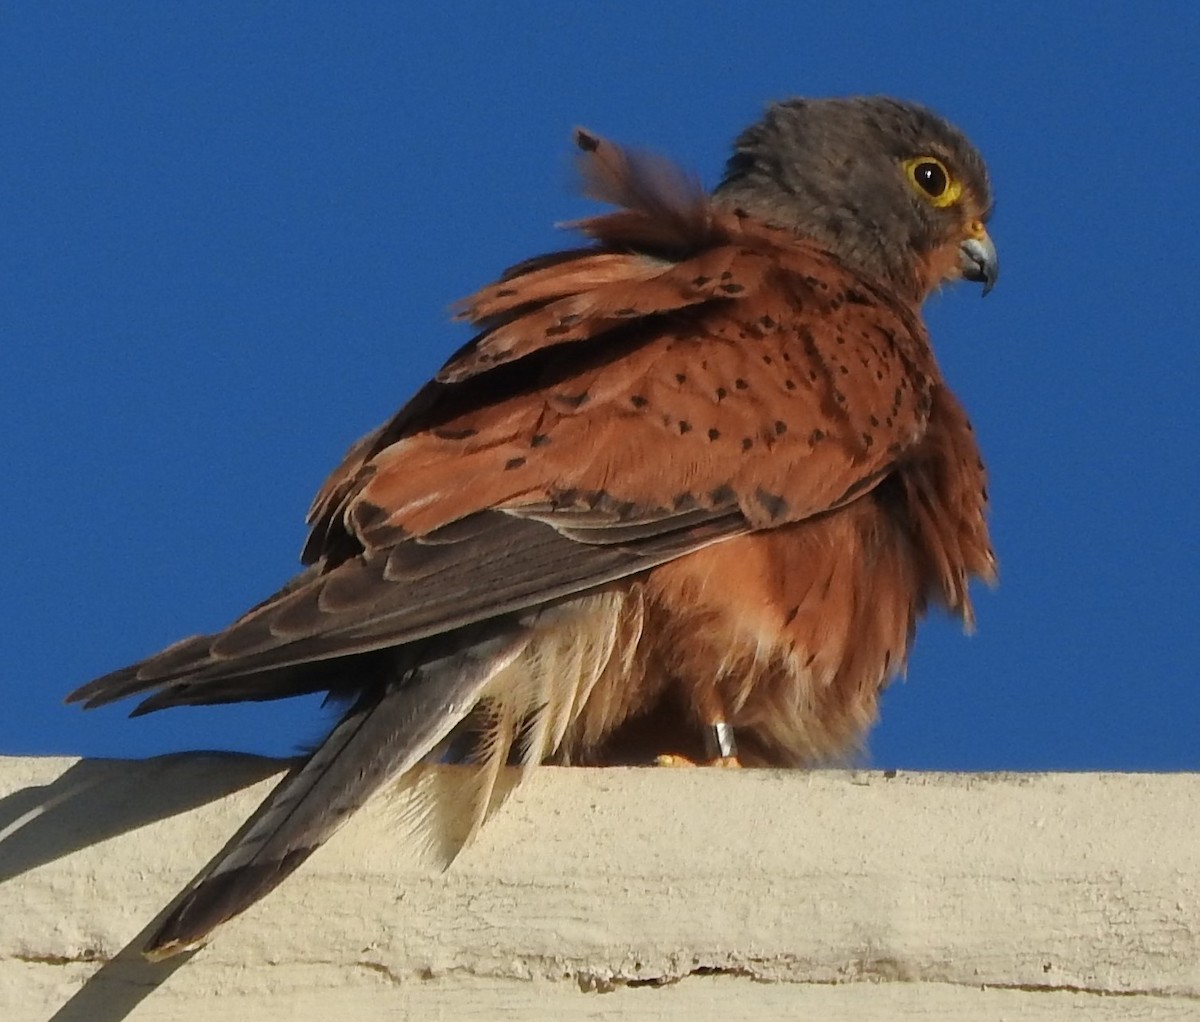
column 377, row 741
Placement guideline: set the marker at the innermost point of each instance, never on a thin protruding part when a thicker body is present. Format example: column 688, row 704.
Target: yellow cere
column 929, row 176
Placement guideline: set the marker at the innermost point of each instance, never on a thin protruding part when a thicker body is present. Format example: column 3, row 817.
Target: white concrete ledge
column 619, row 894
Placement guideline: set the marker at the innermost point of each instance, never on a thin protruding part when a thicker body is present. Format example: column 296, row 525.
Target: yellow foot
column 683, row 761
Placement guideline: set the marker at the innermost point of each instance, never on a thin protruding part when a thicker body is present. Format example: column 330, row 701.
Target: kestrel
column 686, row 491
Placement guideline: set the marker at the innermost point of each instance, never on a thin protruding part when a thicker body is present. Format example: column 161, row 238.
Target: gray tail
column 383, row 735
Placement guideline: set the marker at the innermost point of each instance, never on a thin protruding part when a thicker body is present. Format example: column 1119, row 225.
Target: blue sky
column 230, row 233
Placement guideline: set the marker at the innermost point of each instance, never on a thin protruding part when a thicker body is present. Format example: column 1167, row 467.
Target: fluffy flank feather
column 529, row 706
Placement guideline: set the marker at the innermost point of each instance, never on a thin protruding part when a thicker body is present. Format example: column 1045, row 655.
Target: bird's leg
column 719, row 746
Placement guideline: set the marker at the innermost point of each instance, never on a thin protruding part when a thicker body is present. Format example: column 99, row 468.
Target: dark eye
column 929, row 176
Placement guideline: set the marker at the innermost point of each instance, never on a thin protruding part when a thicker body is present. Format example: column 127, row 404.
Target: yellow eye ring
column 933, row 182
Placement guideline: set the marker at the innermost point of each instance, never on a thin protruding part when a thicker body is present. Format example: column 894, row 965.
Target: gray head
column 892, row 189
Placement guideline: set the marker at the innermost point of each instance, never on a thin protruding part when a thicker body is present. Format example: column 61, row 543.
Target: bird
column 682, row 498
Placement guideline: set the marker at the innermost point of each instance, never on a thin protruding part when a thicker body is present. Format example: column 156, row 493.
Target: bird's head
column 892, row 189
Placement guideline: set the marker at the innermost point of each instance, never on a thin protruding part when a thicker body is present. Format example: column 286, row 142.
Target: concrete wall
column 618, row 894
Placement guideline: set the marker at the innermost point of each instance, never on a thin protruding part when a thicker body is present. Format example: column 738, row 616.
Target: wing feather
column 496, row 564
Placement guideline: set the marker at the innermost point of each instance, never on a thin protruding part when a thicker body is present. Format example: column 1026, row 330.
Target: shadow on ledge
column 98, row 799
column 95, row 800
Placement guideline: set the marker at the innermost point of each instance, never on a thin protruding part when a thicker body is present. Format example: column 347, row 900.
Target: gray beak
column 978, row 260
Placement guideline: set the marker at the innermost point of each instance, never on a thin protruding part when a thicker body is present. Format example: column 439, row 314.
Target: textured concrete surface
column 618, row 894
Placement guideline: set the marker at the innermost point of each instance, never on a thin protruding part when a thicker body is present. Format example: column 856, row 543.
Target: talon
column 670, row 760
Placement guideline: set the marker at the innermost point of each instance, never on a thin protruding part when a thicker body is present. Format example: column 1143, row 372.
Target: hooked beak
column 978, row 260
